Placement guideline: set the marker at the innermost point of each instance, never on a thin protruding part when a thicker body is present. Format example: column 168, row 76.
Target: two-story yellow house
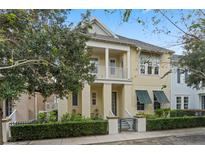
column 128, row 77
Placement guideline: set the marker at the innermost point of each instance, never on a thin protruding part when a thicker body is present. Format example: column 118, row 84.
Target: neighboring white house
column 183, row 96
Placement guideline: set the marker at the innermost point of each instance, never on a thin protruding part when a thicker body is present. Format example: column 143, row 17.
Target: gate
column 127, row 124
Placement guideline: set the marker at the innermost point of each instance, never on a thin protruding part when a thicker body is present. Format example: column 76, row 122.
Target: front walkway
column 124, row 136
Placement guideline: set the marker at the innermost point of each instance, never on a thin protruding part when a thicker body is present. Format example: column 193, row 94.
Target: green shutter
column 161, row 97
column 143, row 97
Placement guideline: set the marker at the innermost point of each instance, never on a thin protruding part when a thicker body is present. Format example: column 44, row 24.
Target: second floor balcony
column 113, row 72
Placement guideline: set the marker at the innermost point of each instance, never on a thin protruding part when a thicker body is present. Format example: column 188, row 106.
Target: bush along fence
column 175, row 122
column 182, row 113
column 58, row 130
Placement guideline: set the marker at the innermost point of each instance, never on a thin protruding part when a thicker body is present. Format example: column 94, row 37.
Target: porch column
column 62, row 107
column 128, row 64
column 107, row 99
column 106, row 63
column 86, row 100
column 127, row 98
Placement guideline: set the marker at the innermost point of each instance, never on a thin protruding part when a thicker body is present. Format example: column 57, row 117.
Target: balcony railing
column 113, row 72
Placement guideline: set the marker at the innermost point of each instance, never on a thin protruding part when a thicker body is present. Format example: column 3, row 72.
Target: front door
column 114, row 103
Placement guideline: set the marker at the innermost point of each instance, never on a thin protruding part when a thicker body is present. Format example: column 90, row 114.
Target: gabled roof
column 112, row 37
column 103, row 27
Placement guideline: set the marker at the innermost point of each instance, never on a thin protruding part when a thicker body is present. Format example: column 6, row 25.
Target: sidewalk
column 112, row 138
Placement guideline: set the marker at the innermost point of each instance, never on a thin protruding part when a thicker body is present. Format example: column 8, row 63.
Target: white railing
column 113, row 72
column 111, row 114
column 117, row 73
column 128, row 114
column 13, row 116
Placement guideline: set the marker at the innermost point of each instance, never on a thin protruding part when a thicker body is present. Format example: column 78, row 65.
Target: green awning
column 143, row 97
column 161, row 97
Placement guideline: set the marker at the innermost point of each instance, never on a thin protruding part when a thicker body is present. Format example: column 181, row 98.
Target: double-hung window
column 202, row 102
column 178, row 102
column 149, row 65
column 94, row 61
column 140, row 106
column 186, row 102
column 94, row 98
column 75, row 99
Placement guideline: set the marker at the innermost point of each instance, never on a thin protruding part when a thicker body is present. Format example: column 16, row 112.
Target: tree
column 189, row 24
column 194, row 55
column 42, row 52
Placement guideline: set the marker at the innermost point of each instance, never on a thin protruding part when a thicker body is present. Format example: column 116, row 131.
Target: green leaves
column 44, row 35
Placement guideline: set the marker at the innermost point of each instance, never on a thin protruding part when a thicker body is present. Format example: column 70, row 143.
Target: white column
column 127, row 101
column 107, row 99
column 86, row 100
column 106, row 63
column 62, row 107
column 128, row 64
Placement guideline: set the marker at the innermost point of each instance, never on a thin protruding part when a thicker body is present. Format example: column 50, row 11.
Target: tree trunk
column 1, row 131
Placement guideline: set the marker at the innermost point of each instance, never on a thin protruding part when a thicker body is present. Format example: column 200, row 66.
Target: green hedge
column 174, row 123
column 182, row 113
column 58, row 130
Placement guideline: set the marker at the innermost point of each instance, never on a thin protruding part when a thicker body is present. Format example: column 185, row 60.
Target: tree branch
column 24, row 62
column 177, row 25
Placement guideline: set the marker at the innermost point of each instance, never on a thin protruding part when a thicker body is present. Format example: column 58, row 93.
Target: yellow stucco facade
column 118, row 76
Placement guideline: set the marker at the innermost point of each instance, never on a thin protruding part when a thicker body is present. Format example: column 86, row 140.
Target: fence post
column 6, row 129
column 113, row 125
column 140, row 124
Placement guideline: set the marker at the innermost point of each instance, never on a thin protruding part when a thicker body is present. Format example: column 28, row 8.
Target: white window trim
column 92, row 98
column 146, row 67
column 111, row 66
column 77, row 101
column 182, row 101
column 96, row 57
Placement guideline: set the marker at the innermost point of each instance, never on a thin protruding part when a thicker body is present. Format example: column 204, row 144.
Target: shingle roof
column 144, row 45
column 175, row 58
column 133, row 42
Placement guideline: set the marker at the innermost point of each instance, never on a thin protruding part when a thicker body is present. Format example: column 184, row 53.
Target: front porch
column 98, row 100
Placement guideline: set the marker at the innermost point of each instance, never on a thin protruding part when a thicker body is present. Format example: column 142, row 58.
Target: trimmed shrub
column 58, row 130
column 162, row 112
column 73, row 117
column 182, row 113
column 174, row 123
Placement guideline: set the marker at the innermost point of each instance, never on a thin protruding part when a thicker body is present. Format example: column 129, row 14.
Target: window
column 178, row 100
column 156, row 70
column 149, row 64
column 139, row 105
column 202, row 102
column 142, row 68
column 186, row 102
column 178, row 75
column 95, row 62
column 112, row 66
column 94, row 98
column 75, row 99
column 156, row 104
column 149, row 68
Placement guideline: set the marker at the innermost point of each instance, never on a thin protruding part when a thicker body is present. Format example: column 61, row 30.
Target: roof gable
column 100, row 29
